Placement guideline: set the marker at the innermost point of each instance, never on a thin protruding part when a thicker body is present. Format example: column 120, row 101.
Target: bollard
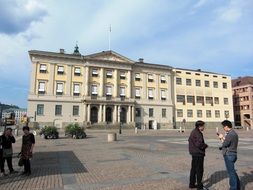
column 112, row 137
column 136, row 130
column 180, row 129
column 217, row 129
column 247, row 128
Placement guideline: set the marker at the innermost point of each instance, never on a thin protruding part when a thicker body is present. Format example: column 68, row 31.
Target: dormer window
column 60, row 70
column 150, row 78
column 109, row 74
column 94, row 72
column 77, row 71
column 43, row 68
column 122, row 75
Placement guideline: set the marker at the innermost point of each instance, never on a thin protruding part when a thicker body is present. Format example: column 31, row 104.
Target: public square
column 147, row 160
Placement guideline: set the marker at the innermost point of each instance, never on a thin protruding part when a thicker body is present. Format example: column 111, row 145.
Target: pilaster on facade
column 129, row 85
column 51, row 79
column 101, row 85
column 115, row 91
column 33, row 78
column 69, row 82
column 86, row 84
column 88, row 114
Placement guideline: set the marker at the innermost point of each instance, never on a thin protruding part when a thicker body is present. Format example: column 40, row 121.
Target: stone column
column 133, row 114
column 104, row 108
column 51, row 82
column 101, row 85
column 88, row 111
column 100, row 118
column 144, row 88
column 85, row 113
column 115, row 113
column 86, row 83
column 115, row 91
column 118, row 108
column 69, row 80
column 129, row 86
column 129, row 114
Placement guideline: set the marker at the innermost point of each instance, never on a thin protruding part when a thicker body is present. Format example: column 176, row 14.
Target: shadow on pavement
column 49, row 163
column 216, row 177
column 245, row 179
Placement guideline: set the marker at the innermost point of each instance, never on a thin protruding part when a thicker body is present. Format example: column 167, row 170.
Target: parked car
column 49, row 132
column 75, row 131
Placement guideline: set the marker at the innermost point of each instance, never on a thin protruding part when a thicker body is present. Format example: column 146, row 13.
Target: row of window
column 201, row 100
column 60, row 70
column 198, row 83
column 200, row 113
column 58, row 110
column 94, row 90
column 138, row 112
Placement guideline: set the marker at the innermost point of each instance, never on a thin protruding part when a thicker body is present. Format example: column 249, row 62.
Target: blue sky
column 213, row 35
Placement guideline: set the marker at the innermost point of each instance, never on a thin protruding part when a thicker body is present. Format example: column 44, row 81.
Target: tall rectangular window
column 77, row 71
column 41, row 89
column 75, row 110
column 188, row 82
column 217, row 113
column 208, row 113
column 151, row 112
column 137, row 76
column 189, row 113
column 150, row 94
column 163, row 79
column 179, row 81
column 76, row 89
column 163, row 94
column 122, row 75
column 163, row 112
column 199, row 113
column 40, row 109
column 108, row 90
column 94, row 90
column 94, row 72
column 43, row 68
column 207, row 83
column 59, row 88
column 179, row 113
column 225, row 101
column 190, row 99
column 122, row 91
column 215, row 84
column 200, row 99
column 181, row 98
column 138, row 112
column 137, row 93
column 224, row 85
column 209, row 100
column 150, row 78
column 198, row 83
column 216, row 100
column 58, row 109
column 109, row 74
column 60, row 70
column 226, row 114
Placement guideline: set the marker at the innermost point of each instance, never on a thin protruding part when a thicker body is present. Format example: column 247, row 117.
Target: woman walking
column 28, row 142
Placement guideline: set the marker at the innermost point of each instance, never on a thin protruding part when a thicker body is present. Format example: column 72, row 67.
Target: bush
column 75, row 131
column 49, row 132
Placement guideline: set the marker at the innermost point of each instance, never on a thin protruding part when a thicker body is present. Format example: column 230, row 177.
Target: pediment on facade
column 109, row 56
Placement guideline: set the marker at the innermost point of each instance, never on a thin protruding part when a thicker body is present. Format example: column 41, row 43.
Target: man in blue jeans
column 229, row 151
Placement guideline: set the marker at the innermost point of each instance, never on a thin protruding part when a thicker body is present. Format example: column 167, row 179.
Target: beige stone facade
column 201, row 95
column 98, row 89
column 243, row 101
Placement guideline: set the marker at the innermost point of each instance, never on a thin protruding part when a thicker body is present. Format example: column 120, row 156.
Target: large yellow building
column 98, row 89
column 201, row 95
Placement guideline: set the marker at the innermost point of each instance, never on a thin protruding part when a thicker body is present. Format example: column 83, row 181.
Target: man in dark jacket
column 197, row 147
column 229, row 151
column 7, row 140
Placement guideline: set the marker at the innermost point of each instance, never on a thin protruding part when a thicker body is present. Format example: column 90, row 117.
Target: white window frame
column 60, row 69
column 163, row 94
column 108, row 92
column 122, row 91
column 137, row 94
column 95, row 71
column 39, row 86
column 152, row 93
column 43, row 67
column 109, row 73
column 75, row 90
column 163, row 78
column 122, row 74
column 137, row 75
column 77, row 70
column 94, row 89
column 150, row 76
column 57, row 87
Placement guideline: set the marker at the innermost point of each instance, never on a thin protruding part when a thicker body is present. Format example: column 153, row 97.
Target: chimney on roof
column 141, row 60
column 62, row 51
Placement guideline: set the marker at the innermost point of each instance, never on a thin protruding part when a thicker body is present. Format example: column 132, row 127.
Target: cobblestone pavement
column 147, row 160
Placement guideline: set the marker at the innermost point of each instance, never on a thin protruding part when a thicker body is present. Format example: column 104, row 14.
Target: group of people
column 6, row 151
column 197, row 147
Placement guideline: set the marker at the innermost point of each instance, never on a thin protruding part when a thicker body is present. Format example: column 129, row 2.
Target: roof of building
column 242, row 81
column 201, row 71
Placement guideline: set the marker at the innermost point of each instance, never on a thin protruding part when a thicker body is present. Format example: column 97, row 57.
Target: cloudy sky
column 213, row 35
